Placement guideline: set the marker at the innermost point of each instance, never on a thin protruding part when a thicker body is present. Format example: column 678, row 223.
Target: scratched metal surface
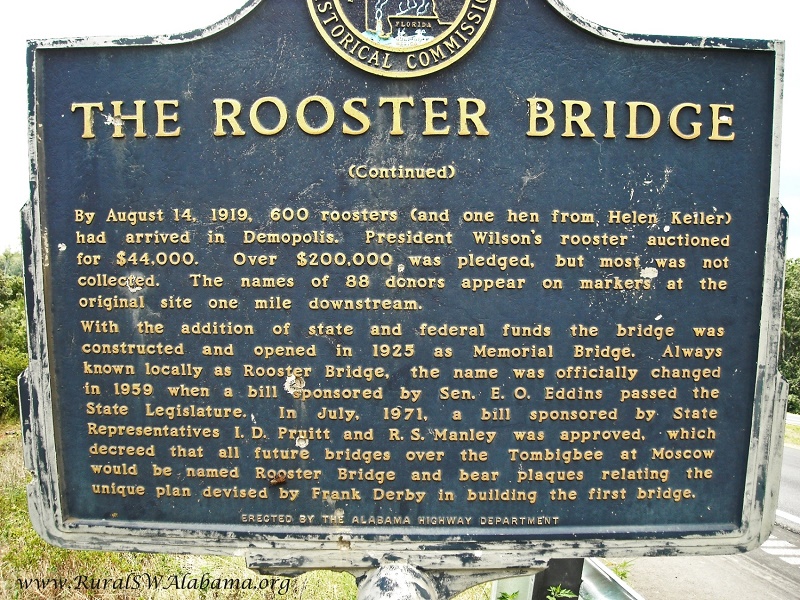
column 531, row 49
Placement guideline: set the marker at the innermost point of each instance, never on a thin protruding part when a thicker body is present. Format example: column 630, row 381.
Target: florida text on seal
column 401, row 38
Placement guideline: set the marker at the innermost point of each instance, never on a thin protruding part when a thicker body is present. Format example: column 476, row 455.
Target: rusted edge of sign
column 661, row 40
column 343, row 549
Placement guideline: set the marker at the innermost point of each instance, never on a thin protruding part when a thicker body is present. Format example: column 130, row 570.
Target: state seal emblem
column 401, row 38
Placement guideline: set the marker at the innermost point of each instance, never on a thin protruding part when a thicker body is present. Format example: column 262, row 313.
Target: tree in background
column 11, row 263
column 790, row 336
column 13, row 337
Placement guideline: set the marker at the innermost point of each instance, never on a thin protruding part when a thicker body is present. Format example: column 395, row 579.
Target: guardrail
column 599, row 583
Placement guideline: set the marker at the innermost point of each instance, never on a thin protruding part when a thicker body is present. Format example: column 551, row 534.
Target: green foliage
column 794, row 405
column 792, row 435
column 11, row 263
column 13, row 338
column 622, row 569
column 790, row 335
column 12, row 363
column 25, row 556
column 507, row 596
column 556, row 591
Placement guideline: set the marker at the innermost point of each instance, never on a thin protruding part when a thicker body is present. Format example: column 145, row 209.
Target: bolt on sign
column 332, row 279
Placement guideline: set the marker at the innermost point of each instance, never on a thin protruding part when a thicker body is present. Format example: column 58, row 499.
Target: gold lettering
column 163, row 117
column 431, row 116
column 88, row 116
column 718, row 120
column 283, row 115
column 301, row 115
column 633, row 132
column 397, row 114
column 673, row 121
column 229, row 118
column 579, row 119
column 536, row 115
column 119, row 118
column 351, row 111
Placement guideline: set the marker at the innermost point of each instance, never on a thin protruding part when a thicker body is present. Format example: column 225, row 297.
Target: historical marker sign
column 450, row 275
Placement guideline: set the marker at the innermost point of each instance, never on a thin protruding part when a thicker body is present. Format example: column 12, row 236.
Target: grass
column 25, row 556
column 621, row 569
column 792, row 437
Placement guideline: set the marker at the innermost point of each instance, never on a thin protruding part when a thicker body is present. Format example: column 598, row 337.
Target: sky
column 766, row 19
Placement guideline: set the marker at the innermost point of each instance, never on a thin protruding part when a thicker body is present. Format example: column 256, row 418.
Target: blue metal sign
column 448, row 275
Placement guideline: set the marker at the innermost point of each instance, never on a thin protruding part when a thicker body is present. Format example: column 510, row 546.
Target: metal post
column 396, row 581
column 518, row 588
column 566, row 572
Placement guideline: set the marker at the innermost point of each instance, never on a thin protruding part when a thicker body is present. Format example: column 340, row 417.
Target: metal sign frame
column 344, row 548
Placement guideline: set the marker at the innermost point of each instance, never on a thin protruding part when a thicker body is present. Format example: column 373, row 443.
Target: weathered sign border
column 344, row 549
